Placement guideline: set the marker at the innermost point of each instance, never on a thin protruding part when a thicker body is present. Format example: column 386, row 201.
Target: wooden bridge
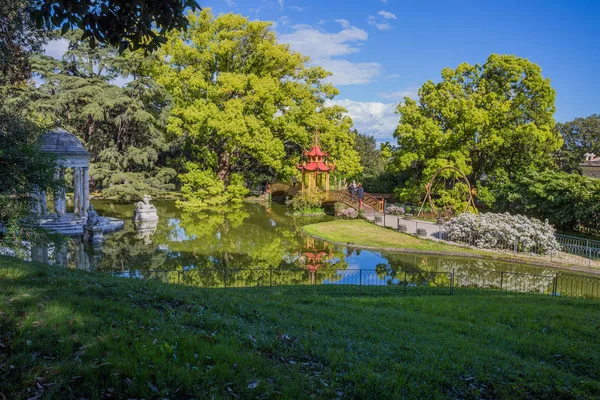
column 332, row 196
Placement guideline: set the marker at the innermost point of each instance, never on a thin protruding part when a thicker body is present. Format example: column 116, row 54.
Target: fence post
column 360, row 280
column 589, row 251
column 452, row 282
column 384, row 203
column 554, row 285
column 501, row 280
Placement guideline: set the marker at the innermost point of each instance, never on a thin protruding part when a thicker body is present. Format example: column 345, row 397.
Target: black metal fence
column 571, row 249
column 407, row 282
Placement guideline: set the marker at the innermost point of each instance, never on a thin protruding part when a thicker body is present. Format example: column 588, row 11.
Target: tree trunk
column 224, row 167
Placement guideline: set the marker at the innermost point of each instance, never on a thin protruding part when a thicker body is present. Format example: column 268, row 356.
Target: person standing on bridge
column 352, row 188
column 361, row 195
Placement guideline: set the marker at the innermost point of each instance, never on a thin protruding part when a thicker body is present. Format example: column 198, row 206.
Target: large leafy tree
column 123, row 127
column 582, row 135
column 487, row 120
column 246, row 105
column 18, row 37
column 120, row 23
column 25, row 171
column 372, row 159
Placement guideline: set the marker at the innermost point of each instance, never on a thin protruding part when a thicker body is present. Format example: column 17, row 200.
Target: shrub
column 394, row 210
column 504, row 230
column 305, row 203
column 348, row 213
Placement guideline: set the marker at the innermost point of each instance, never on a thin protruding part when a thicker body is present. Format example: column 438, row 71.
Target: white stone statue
column 144, row 211
column 93, row 219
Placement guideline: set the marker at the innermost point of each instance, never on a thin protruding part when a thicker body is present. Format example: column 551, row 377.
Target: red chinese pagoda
column 316, row 169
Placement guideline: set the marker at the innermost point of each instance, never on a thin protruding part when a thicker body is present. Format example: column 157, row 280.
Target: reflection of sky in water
column 177, row 233
column 366, row 259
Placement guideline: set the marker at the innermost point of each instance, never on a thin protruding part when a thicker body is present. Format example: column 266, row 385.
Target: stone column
column 77, row 190
column 43, row 203
column 86, row 190
column 59, row 194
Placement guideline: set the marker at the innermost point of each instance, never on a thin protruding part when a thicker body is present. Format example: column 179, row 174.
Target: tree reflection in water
column 253, row 245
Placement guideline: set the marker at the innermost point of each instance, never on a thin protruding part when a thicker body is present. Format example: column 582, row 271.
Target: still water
column 254, row 244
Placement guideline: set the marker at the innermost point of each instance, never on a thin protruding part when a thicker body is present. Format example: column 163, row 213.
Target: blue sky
column 382, row 50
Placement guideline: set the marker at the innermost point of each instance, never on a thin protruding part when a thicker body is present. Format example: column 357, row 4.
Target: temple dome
column 59, row 141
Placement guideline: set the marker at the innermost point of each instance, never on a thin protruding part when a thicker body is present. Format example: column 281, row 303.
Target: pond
column 258, row 245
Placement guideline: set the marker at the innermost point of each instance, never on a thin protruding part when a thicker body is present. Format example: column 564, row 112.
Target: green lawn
column 361, row 233
column 71, row 334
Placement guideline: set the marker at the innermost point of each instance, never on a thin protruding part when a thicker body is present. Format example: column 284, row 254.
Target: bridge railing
column 342, row 196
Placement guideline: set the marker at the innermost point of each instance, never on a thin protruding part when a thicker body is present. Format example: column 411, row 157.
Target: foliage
column 123, row 127
column 244, row 104
column 120, row 23
column 580, row 136
column 374, row 176
column 203, row 188
column 74, row 334
column 502, row 231
column 484, row 119
column 348, row 213
column 306, row 203
column 372, row 159
column 19, row 39
column 25, row 171
column 568, row 201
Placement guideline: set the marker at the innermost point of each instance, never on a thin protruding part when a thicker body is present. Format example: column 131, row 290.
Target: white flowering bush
column 394, row 210
column 503, row 231
column 348, row 213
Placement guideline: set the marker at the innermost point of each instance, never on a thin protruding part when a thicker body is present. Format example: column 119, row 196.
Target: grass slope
column 363, row 233
column 71, row 334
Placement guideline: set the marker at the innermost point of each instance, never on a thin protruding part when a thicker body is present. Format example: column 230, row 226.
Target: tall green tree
column 371, row 158
column 25, row 171
column 580, row 136
column 123, row 127
column 18, row 38
column 487, row 120
column 246, row 105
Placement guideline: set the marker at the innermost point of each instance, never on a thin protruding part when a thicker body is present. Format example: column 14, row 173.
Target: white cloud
column 382, row 26
column 392, row 76
column 380, row 21
column 280, row 2
column 412, row 93
column 230, row 3
column 387, row 15
column 284, row 20
column 325, row 48
column 56, row 48
column 371, row 117
column 296, row 8
column 349, row 73
column 344, row 23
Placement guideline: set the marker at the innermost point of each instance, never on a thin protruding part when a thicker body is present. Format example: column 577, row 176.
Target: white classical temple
column 70, row 153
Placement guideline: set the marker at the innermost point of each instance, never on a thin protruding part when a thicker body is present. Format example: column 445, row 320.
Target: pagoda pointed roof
column 315, row 152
